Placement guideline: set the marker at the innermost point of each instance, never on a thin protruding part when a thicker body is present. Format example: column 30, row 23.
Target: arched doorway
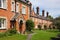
column 39, row 27
column 50, row 27
column 45, row 27
column 13, row 24
column 20, row 25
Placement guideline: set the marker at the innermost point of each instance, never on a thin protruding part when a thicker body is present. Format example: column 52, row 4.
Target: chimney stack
column 30, row 9
column 47, row 14
column 43, row 12
column 37, row 10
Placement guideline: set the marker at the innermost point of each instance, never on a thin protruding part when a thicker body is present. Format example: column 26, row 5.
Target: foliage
column 2, row 35
column 56, row 22
column 8, row 33
column 14, row 37
column 50, row 17
column 29, row 25
column 12, row 31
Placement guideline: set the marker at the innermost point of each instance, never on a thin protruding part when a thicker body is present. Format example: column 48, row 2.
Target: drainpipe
column 15, row 6
column 30, row 9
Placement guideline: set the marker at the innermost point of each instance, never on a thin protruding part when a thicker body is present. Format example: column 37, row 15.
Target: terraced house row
column 14, row 13
column 42, row 20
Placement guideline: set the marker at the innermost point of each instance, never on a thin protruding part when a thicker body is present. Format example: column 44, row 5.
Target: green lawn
column 15, row 37
column 39, row 35
column 43, row 35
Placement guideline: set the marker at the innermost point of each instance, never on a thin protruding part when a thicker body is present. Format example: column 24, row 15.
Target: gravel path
column 30, row 36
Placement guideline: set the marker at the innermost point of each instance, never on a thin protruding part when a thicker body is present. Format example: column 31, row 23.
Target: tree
column 56, row 22
column 29, row 25
column 50, row 17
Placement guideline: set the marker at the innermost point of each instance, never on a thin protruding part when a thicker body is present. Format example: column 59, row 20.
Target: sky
column 52, row 6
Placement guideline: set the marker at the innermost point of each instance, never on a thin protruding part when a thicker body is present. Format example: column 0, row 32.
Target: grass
column 14, row 37
column 40, row 35
column 44, row 35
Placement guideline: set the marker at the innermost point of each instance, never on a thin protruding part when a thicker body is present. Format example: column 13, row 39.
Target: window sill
column 15, row 12
column 3, row 8
column 23, row 14
column 2, row 28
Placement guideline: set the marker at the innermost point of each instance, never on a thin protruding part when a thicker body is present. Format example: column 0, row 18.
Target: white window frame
column 12, row 5
column 17, row 7
column 23, row 9
column 3, row 5
column 5, row 23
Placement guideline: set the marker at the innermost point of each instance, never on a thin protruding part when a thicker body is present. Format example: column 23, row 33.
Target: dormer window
column 3, row 4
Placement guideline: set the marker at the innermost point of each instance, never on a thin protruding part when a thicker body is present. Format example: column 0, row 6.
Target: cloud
column 52, row 6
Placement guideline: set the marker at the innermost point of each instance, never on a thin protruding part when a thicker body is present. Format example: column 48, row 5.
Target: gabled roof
column 15, row 16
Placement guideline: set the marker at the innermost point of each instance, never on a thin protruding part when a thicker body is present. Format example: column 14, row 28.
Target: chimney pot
column 37, row 10
column 43, row 12
column 47, row 14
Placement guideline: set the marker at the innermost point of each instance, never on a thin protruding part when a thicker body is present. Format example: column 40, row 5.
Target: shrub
column 8, row 33
column 2, row 35
column 12, row 31
column 29, row 25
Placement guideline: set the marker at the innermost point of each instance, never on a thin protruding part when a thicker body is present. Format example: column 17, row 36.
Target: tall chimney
column 30, row 9
column 37, row 10
column 43, row 12
column 47, row 14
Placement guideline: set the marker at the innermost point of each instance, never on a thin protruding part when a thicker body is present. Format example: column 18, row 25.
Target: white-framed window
column 3, row 4
column 2, row 23
column 17, row 7
column 12, row 5
column 23, row 10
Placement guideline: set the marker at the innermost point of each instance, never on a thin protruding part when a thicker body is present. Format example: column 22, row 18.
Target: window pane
column 13, row 5
column 23, row 10
column 4, row 4
column 2, row 23
column 17, row 7
column 0, row 3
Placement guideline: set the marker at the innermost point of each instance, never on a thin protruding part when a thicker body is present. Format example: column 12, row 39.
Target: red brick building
column 41, row 19
column 14, row 13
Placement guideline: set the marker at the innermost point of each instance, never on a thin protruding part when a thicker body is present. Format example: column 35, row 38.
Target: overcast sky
column 52, row 6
